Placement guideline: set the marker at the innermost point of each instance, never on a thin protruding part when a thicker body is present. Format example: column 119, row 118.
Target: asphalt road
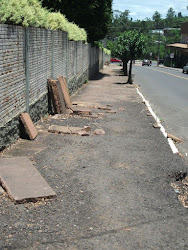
column 167, row 92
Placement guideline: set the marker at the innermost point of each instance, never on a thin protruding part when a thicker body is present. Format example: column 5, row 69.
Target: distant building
column 180, row 49
column 168, row 32
column 183, row 46
column 161, row 31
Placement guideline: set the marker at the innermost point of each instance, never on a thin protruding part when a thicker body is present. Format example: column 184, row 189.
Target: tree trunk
column 125, row 71
column 130, row 80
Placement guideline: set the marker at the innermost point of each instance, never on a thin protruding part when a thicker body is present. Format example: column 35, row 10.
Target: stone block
column 22, row 181
column 29, row 126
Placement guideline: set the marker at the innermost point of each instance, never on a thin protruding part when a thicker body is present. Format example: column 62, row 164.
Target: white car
column 185, row 69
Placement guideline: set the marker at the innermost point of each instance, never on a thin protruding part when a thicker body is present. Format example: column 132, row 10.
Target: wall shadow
column 98, row 76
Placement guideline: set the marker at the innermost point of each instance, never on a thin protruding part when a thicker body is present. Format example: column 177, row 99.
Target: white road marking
column 162, row 129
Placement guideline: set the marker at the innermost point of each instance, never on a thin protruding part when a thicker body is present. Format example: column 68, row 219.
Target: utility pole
column 158, row 50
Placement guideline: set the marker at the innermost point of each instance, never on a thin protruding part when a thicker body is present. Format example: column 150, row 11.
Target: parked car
column 146, row 62
column 161, row 61
column 185, row 69
column 115, row 60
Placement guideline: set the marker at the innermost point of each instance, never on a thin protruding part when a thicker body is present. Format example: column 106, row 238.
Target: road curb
column 162, row 129
column 176, row 69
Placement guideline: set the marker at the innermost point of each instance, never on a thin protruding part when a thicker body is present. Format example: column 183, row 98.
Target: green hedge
column 107, row 51
column 30, row 13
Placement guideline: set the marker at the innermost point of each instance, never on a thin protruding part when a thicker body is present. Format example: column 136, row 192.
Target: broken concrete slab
column 81, row 111
column 99, row 132
column 69, row 130
column 174, row 138
column 59, row 129
column 83, row 133
column 22, row 181
column 156, row 125
column 63, row 83
column 104, row 108
column 1, row 191
column 111, row 111
column 28, row 125
column 53, row 90
column 121, row 109
column 61, row 97
column 86, row 104
column 89, row 116
column 87, row 128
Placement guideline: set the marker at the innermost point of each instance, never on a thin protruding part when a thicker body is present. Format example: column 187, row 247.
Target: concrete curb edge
column 162, row 129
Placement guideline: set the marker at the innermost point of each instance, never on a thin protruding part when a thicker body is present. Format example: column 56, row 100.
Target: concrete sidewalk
column 114, row 191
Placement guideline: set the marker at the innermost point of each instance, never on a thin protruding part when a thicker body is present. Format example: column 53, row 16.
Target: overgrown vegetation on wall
column 30, row 13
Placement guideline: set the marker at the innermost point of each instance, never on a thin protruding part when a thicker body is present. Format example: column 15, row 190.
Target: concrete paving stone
column 63, row 83
column 61, row 97
column 121, row 109
column 59, row 129
column 81, row 110
column 86, row 104
column 29, row 126
column 69, row 130
column 22, row 181
column 111, row 111
column 89, row 116
column 174, row 138
column 1, row 191
column 104, row 108
column 99, row 132
column 87, row 128
column 155, row 125
column 53, row 89
column 83, row 133
column 76, row 130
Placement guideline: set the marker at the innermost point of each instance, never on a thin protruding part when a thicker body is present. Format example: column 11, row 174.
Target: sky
column 140, row 9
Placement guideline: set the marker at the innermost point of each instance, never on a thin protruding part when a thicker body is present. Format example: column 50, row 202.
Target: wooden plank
column 64, row 87
column 28, row 125
column 22, row 181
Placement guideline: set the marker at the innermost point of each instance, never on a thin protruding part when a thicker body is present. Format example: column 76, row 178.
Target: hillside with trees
column 159, row 31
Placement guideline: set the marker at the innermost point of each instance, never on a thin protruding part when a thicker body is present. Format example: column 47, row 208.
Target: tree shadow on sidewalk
column 118, row 72
column 125, row 81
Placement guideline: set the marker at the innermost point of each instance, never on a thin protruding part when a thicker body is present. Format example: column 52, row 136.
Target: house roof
column 178, row 46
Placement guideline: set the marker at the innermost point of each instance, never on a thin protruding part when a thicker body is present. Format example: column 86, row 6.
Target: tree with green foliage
column 170, row 13
column 95, row 16
column 170, row 17
column 129, row 46
column 120, row 23
column 157, row 20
